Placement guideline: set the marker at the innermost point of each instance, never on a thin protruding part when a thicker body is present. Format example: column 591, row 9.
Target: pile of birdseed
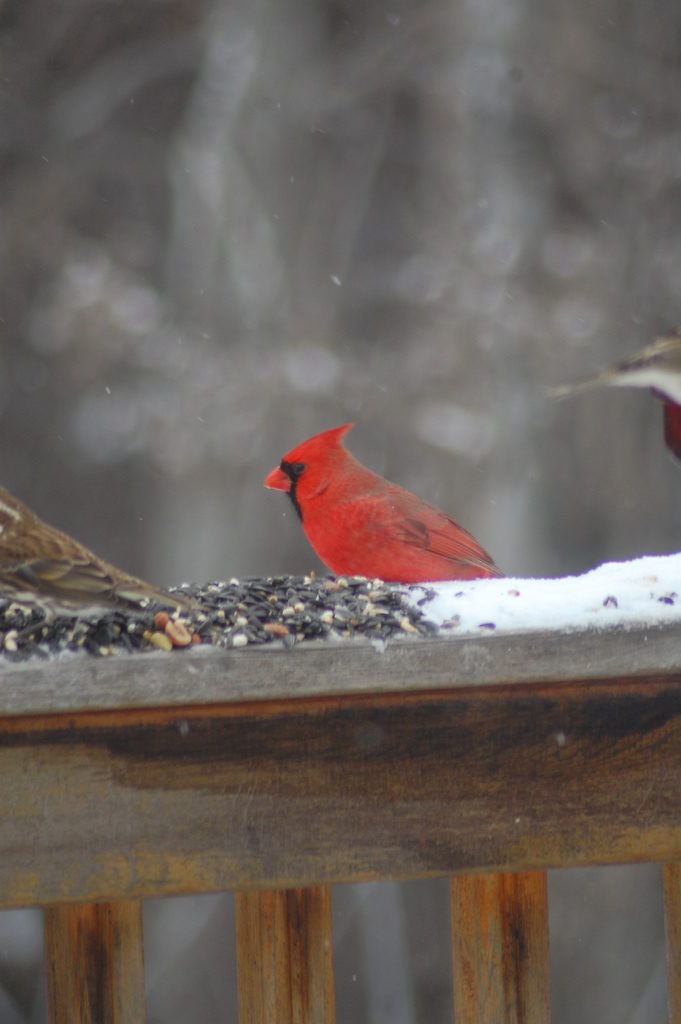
column 257, row 610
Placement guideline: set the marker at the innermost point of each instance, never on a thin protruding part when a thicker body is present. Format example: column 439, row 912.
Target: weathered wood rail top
column 333, row 669
column 272, row 770
column 152, row 774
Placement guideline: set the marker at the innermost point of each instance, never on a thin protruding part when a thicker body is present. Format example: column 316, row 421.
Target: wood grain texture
column 671, row 881
column 285, row 957
column 325, row 669
column 283, row 794
column 500, row 948
column 95, row 963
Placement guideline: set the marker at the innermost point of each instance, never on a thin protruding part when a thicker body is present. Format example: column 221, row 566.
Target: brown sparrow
column 658, row 367
column 41, row 565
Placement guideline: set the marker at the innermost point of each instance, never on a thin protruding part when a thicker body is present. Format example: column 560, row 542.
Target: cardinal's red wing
column 393, row 535
column 411, row 521
column 447, row 539
column 672, row 428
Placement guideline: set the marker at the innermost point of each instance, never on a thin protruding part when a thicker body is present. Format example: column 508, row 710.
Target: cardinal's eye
column 292, row 469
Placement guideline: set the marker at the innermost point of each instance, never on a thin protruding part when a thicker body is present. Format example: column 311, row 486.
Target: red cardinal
column 657, row 367
column 361, row 525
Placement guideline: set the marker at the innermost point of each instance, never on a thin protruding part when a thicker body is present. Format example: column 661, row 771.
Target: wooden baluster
column 501, row 949
column 671, row 883
column 285, row 957
column 95, row 963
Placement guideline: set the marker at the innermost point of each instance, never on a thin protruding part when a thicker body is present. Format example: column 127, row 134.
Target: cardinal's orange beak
column 277, row 480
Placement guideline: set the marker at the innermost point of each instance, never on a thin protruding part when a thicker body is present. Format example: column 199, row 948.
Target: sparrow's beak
column 277, row 480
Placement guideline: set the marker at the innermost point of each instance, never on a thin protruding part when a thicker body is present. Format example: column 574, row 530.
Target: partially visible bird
column 658, row 367
column 362, row 525
column 41, row 565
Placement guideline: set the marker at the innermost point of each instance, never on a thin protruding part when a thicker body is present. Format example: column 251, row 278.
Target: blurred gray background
column 227, row 225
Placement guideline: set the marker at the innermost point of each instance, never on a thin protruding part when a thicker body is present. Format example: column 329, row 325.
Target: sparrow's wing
column 658, row 366
column 576, row 388
column 38, row 560
column 66, row 574
column 80, row 583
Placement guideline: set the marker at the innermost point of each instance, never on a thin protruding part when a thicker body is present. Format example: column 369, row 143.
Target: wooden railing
column 276, row 774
